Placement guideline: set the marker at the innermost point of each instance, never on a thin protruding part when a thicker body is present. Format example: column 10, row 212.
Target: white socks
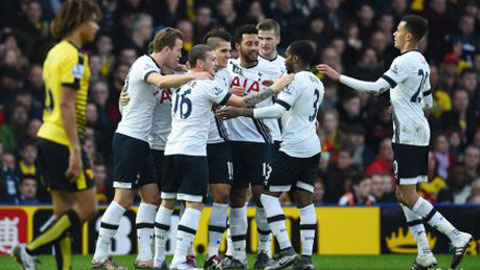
column 415, row 225
column 238, row 228
column 144, row 223
column 263, row 229
column 108, row 228
column 216, row 227
column 162, row 227
column 308, row 228
column 430, row 215
column 229, row 251
column 187, row 228
column 276, row 220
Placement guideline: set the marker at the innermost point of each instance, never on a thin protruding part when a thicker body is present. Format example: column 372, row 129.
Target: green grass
column 381, row 262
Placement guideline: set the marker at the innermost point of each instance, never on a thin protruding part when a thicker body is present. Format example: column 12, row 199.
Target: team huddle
column 243, row 129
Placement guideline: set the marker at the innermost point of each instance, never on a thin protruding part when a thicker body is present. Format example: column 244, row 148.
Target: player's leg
column 145, row 220
column 408, row 173
column 150, row 194
column 285, row 171
column 308, row 218
column 220, row 174
column 238, row 209
column 193, row 187
column 63, row 251
column 130, row 157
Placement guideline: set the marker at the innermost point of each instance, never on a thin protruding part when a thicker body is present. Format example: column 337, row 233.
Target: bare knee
column 195, row 205
column 124, row 197
column 256, row 193
column 303, row 198
column 406, row 196
column 169, row 204
column 238, row 198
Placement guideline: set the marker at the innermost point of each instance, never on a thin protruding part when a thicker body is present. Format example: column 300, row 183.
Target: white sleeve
column 397, row 73
column 427, row 99
column 147, row 69
column 379, row 86
column 217, row 94
column 289, row 95
column 274, row 111
column 343, row 201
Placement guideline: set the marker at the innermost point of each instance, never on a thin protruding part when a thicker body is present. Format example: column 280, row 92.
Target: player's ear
column 237, row 46
column 279, row 39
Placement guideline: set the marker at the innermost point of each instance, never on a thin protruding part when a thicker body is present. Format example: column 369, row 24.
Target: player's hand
column 228, row 112
column 204, row 75
column 329, row 71
column 238, row 91
column 74, row 165
column 124, row 98
column 282, row 82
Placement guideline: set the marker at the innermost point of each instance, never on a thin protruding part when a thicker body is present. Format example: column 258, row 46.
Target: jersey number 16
column 185, row 106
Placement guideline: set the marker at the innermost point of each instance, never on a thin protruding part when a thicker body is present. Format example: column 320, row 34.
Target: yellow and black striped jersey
column 65, row 65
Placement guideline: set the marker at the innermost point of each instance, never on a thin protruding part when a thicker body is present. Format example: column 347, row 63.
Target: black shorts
column 251, row 164
column 410, row 163
column 133, row 164
column 160, row 166
column 53, row 161
column 288, row 171
column 220, row 166
column 186, row 178
column 276, row 148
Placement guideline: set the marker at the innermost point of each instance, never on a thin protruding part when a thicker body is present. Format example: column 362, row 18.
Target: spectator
column 350, row 110
column 436, row 182
column 142, row 33
column 105, row 47
column 128, row 55
column 362, row 190
column 378, row 190
column 466, row 37
column 290, row 17
column 476, row 187
column 379, row 128
column 338, row 177
column 8, row 180
column 100, row 177
column 363, row 155
column 203, row 22
column 32, row 129
column 13, row 133
column 27, row 162
column 458, row 116
column 227, row 14
column 471, row 160
column 35, row 82
column 384, row 161
column 28, row 189
column 443, row 157
column 254, row 13
column 458, row 185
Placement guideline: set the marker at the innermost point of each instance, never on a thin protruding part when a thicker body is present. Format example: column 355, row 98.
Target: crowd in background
column 354, row 37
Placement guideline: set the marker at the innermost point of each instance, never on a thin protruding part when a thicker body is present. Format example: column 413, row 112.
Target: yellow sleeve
column 72, row 69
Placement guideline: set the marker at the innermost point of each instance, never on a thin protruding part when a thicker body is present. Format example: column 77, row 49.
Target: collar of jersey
column 154, row 61
column 412, row 50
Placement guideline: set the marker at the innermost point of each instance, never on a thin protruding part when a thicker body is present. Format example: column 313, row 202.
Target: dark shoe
column 262, row 261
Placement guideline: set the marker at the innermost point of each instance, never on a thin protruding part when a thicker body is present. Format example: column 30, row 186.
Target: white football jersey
column 276, row 63
column 253, row 79
column 162, row 120
column 301, row 98
column 408, row 77
column 137, row 115
column 218, row 130
column 191, row 111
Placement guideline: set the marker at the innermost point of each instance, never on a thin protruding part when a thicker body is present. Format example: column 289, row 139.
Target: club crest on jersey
column 395, row 69
column 217, row 90
column 78, row 70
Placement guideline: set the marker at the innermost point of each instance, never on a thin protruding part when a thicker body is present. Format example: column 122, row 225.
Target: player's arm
column 174, row 80
column 377, row 87
column 274, row 111
column 67, row 109
column 267, row 92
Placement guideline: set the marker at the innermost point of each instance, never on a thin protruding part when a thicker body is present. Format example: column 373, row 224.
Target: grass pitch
column 380, row 262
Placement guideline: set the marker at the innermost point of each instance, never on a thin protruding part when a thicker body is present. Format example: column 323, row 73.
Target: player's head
column 299, row 55
column 168, row 43
column 410, row 30
column 220, row 42
column 246, row 42
column 77, row 15
column 362, row 185
column 202, row 58
column 269, row 36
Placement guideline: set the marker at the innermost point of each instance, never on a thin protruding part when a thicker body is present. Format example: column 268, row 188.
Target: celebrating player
column 296, row 162
column 133, row 162
column 409, row 84
column 65, row 166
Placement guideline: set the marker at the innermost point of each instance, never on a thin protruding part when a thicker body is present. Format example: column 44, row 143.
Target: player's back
column 137, row 115
column 302, row 98
column 65, row 65
column 191, row 111
column 409, row 78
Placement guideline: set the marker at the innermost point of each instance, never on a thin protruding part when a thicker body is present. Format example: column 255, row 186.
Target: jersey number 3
column 315, row 106
column 415, row 98
column 185, row 105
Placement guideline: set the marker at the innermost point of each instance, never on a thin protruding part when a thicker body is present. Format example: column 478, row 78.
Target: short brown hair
column 269, row 24
column 166, row 37
column 73, row 13
column 198, row 52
